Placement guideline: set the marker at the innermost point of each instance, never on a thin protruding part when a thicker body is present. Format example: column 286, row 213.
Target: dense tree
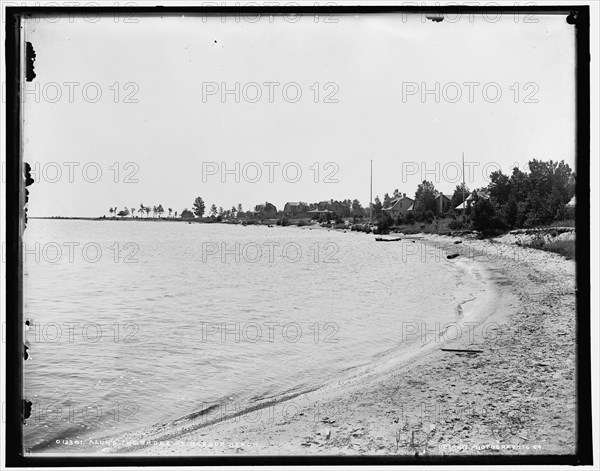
column 198, row 207
column 377, row 207
column 425, row 198
column 533, row 198
column 357, row 209
column 484, row 214
column 213, row 210
column 186, row 214
column 499, row 187
column 549, row 189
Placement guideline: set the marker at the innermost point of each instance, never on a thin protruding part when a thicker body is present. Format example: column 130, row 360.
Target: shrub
column 187, row 214
column 325, row 217
column 456, row 225
column 484, row 216
column 383, row 224
column 428, row 217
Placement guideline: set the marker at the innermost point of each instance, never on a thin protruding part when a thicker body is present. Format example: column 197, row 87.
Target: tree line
column 155, row 210
column 523, row 199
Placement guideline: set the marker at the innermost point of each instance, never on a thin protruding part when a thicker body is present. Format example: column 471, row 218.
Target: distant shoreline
column 86, row 218
column 559, row 238
column 206, row 220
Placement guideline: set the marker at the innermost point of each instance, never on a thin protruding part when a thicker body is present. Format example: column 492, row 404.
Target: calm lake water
column 134, row 323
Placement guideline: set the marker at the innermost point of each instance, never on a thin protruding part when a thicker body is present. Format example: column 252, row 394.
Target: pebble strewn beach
column 514, row 395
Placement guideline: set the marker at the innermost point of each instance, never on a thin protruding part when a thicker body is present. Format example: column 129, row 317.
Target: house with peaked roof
column 339, row 209
column 335, row 207
column 399, row 205
column 323, row 205
column 295, row 210
column 469, row 201
column 442, row 203
column 264, row 211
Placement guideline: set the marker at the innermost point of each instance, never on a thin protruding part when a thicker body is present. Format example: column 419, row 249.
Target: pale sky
column 375, row 66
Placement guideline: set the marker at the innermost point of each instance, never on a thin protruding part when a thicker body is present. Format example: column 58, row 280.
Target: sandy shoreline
column 516, row 396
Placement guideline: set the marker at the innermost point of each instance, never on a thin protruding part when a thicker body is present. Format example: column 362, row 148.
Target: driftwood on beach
column 457, row 350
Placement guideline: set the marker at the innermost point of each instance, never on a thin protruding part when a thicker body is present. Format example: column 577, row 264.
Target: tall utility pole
column 371, row 196
column 464, row 204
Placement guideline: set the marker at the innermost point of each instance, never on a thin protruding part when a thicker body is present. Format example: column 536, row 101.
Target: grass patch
column 564, row 247
column 441, row 226
column 303, row 222
column 564, row 223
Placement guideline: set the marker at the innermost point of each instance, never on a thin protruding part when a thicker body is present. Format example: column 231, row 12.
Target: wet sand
column 514, row 395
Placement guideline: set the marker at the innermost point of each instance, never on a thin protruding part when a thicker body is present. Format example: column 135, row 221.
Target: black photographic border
column 15, row 224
